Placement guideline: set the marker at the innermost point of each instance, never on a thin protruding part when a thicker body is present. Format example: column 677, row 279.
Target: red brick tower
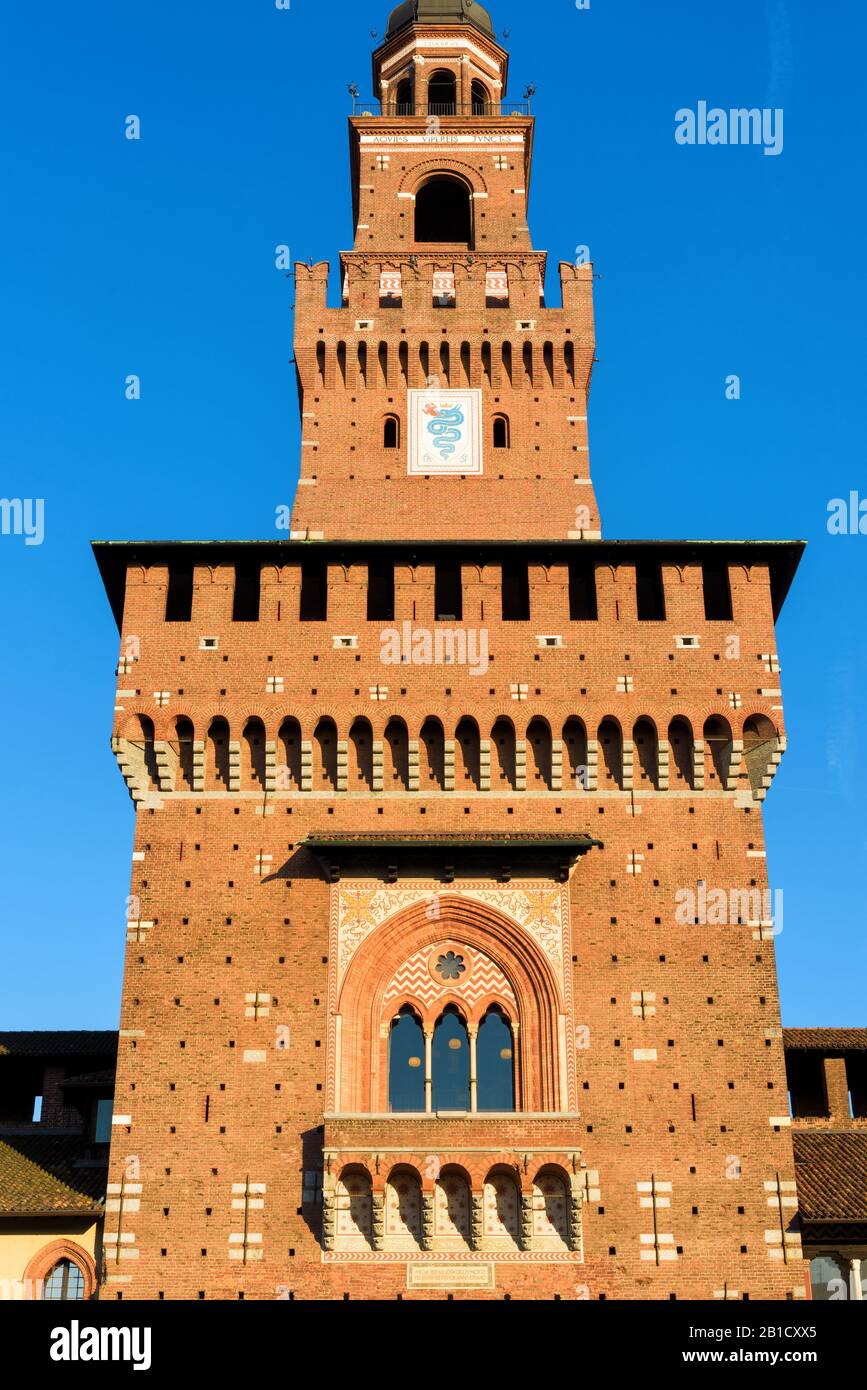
column 450, row 963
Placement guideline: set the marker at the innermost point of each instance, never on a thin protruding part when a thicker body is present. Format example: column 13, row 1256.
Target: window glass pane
column 406, row 1066
column 451, row 1064
column 102, row 1132
column 829, row 1277
column 65, row 1282
column 495, row 1064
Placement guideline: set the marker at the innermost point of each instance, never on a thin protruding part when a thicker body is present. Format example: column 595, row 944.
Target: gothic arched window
column 495, row 1063
column 65, row 1283
column 450, row 1063
column 406, row 1065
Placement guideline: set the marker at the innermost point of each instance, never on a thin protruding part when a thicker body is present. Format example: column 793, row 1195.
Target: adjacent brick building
column 55, row 1121
column 451, row 952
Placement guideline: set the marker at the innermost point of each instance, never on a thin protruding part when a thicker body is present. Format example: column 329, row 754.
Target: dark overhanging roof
column 74, row 1043
column 113, row 557
column 508, row 853
column 468, row 840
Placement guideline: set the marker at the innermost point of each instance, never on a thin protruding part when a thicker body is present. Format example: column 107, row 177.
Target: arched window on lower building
column 64, row 1283
column 406, row 1065
column 450, row 1063
column 495, row 1063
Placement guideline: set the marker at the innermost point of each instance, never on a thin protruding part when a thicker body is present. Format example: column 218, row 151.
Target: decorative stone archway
column 382, row 965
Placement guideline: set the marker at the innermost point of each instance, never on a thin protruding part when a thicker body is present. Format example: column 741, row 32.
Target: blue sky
column 156, row 257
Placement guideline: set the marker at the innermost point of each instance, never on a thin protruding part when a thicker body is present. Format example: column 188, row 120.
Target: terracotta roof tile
column 40, row 1173
column 71, row 1044
column 825, row 1039
column 831, row 1172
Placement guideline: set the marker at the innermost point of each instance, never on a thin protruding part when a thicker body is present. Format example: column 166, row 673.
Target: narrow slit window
column 391, row 432
column 502, row 433
column 380, row 592
column 650, row 593
column 717, row 593
column 516, row 592
column 582, row 593
column 179, row 599
column 245, row 607
column 448, row 598
column 314, row 592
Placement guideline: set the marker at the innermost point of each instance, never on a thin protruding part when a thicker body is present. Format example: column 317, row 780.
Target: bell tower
column 443, row 399
column 450, row 952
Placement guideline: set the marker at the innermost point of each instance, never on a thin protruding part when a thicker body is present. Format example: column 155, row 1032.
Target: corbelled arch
column 362, row 1064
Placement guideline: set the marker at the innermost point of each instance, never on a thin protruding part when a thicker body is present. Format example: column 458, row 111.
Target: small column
column 855, row 1284
column 473, row 1034
column 449, row 765
column 234, row 765
column 836, row 1088
column 307, row 765
column 628, row 764
column 663, row 764
column 413, row 760
column 378, row 1220
column 427, row 1220
column 478, row 1220
column 592, row 779
column 342, row 765
column 485, row 765
column 270, row 765
column 520, row 765
column 526, row 1220
column 576, row 1204
column 428, row 1071
column 557, row 765
column 329, row 1212
column 378, row 770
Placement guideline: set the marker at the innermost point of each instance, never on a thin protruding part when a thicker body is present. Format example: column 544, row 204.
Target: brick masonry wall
column 216, row 931
column 222, row 1131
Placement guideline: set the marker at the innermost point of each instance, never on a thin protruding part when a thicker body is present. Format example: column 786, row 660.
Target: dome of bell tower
column 440, row 12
